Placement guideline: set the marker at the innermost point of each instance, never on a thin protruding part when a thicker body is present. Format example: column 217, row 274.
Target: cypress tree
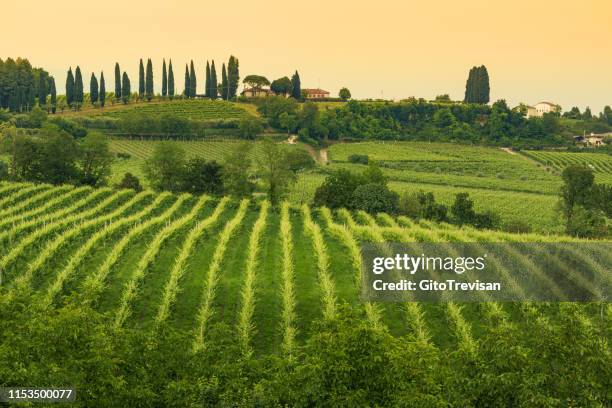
column 484, row 87
column 42, row 89
column 126, row 88
column 170, row 81
column 93, row 89
column 469, row 87
column 102, row 90
column 70, row 88
column 164, row 80
column 296, row 86
column 117, row 82
column 187, row 85
column 214, row 91
column 149, row 80
column 141, row 80
column 207, row 84
column 233, row 76
column 53, row 92
column 192, row 82
column 78, row 87
column 224, row 85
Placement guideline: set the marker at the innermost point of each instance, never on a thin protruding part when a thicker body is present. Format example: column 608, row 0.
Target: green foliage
column 275, row 170
column 4, row 171
column 299, row 159
column 477, row 86
column 250, row 127
column 187, row 90
column 164, row 169
column 21, row 85
column 170, row 81
column 208, row 81
column 256, row 81
column 53, row 92
column 236, row 168
column 141, row 80
column 164, row 80
column 296, row 86
column 95, row 160
column 337, row 189
column 70, row 88
column 281, row 86
column 102, row 90
column 576, row 190
column 93, row 89
column 224, row 84
column 273, row 107
column 78, row 87
column 233, row 76
column 214, row 91
column 149, row 80
column 118, row 94
column 126, row 89
column 202, row 177
column 193, row 85
column 129, row 181
column 358, row 158
column 344, row 94
column 374, row 198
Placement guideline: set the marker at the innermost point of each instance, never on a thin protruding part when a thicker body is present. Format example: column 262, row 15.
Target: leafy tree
column 273, row 107
column 192, row 82
column 373, row 174
column 256, row 81
column 587, row 115
column 432, row 210
column 53, row 92
column 236, row 169
column 359, row 158
column 141, row 80
column 4, row 171
column 78, row 87
column 149, row 80
column 443, row 118
column 410, row 205
column 576, row 190
column 96, row 159
column 296, row 90
column 70, row 88
column 202, row 177
column 224, row 84
column 344, row 94
column 207, row 91
column 281, row 86
column 250, row 127
column 164, row 169
column 117, row 82
column 337, row 189
column 93, row 89
column 374, row 198
column 164, row 80
column 587, row 223
column 233, row 76
column 463, row 209
column 299, row 159
column 102, row 90
column 214, row 91
column 287, row 121
column 187, row 91
column 126, row 89
column 129, row 181
column 170, row 81
column 275, row 170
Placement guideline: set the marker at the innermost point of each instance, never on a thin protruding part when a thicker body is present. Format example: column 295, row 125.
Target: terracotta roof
column 547, row 103
column 314, row 91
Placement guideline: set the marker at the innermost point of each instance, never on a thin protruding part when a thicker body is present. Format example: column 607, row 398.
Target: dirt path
column 319, row 156
column 508, row 150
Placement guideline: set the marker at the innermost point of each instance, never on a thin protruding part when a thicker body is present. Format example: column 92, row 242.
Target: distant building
column 539, row 109
column 315, row 93
column 592, row 140
column 256, row 92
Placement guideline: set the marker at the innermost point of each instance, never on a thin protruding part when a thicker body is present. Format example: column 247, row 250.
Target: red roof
column 315, row 91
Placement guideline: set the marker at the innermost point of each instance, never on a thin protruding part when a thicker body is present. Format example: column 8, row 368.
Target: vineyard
column 600, row 163
column 155, row 262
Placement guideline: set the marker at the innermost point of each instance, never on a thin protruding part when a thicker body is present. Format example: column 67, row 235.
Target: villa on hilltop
column 539, row 109
column 315, row 93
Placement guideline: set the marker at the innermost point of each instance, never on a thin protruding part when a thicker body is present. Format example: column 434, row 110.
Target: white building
column 539, row 109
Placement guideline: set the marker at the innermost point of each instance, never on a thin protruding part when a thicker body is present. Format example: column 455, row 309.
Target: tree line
column 22, row 86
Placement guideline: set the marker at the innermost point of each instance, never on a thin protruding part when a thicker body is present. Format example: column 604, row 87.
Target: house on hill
column 539, row 109
column 256, row 92
column 592, row 140
column 316, row 93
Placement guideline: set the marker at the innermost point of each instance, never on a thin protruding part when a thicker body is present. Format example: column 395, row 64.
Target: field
column 152, row 261
column 600, row 163
column 189, row 109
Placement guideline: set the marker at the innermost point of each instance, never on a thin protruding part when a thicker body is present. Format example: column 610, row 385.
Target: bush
column 4, row 171
column 202, row 177
column 517, row 227
column 337, row 189
column 410, row 205
column 250, row 127
column 129, row 181
column 69, row 126
column 125, row 156
column 374, row 198
column 359, row 158
column 587, row 223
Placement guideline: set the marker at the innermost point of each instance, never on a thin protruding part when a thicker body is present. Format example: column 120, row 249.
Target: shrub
column 359, row 158
column 337, row 189
column 410, row 205
column 4, row 171
column 129, row 181
column 125, row 156
column 250, row 127
column 517, row 227
column 202, row 177
column 374, row 198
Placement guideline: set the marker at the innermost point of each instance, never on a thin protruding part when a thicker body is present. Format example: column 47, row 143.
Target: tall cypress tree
column 192, row 82
column 224, row 89
column 102, row 90
column 233, row 76
column 170, row 81
column 42, row 88
column 93, row 89
column 214, row 87
column 149, row 80
column 296, row 86
column 484, row 87
column 141, row 80
column 187, row 84
column 70, row 88
column 164, row 80
column 78, row 87
column 207, row 84
column 53, row 92
column 126, row 88
column 117, row 82
column 477, row 88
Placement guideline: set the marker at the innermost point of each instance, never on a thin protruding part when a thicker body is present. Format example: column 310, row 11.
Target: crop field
column 600, row 163
column 188, row 109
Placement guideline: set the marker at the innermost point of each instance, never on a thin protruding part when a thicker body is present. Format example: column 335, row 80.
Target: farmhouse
column 593, row 139
column 315, row 93
column 539, row 109
column 256, row 92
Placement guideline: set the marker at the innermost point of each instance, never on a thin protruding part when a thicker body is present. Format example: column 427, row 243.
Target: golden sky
column 553, row 50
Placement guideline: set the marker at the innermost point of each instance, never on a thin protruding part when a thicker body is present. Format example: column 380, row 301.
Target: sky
column 537, row 50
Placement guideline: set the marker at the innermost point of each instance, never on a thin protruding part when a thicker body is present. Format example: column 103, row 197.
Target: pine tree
column 70, row 88
column 149, row 80
column 93, row 89
column 170, row 81
column 53, row 92
column 192, row 82
column 78, row 87
column 164, row 80
column 42, row 89
column 141, row 80
column 102, row 90
column 296, row 86
column 117, row 82
column 214, row 90
column 187, row 85
column 224, row 85
column 233, row 76
column 207, row 84
column 126, row 88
